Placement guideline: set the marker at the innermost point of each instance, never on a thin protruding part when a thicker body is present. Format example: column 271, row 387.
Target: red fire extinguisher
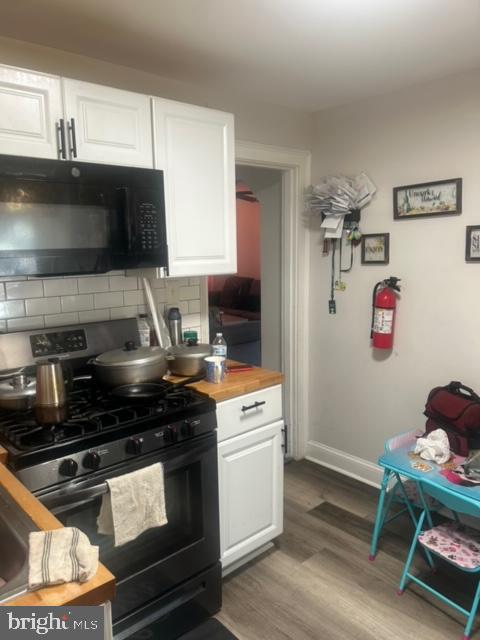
column 383, row 313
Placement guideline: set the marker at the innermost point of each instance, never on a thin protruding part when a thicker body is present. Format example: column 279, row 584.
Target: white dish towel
column 61, row 555
column 135, row 502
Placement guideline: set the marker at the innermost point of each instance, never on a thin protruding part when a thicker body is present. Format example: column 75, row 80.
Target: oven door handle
column 77, row 496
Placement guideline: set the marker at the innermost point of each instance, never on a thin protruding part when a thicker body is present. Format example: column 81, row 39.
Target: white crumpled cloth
column 434, row 447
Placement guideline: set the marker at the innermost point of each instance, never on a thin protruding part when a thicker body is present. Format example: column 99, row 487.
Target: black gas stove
column 170, row 576
column 44, row 455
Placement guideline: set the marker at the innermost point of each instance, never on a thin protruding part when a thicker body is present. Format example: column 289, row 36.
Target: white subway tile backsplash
column 61, row 319
column 25, row 324
column 189, row 293
column 77, row 303
column 160, row 295
column 60, row 287
column 134, row 297
column 12, row 309
column 123, row 283
column 93, row 284
column 124, row 312
column 56, row 301
column 191, row 321
column 105, row 300
column 194, row 306
column 96, row 315
column 38, row 306
column 25, row 289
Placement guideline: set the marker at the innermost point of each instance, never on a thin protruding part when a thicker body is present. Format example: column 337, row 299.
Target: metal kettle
column 51, row 398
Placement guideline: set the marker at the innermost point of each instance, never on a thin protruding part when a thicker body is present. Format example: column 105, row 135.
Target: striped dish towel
column 62, row 555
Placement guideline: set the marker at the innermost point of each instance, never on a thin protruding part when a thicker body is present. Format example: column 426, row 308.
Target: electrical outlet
column 332, row 307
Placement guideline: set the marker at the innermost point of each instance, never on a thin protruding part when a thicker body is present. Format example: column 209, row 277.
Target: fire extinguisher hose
column 375, row 289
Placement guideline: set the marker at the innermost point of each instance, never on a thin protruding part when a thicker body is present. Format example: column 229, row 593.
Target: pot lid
column 187, row 350
column 130, row 355
column 19, row 386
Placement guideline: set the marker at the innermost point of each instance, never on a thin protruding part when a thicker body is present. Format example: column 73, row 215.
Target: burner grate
column 91, row 411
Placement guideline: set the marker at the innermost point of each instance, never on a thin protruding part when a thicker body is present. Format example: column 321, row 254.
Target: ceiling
column 305, row 54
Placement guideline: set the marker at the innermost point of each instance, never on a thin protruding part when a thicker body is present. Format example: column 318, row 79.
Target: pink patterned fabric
column 457, row 543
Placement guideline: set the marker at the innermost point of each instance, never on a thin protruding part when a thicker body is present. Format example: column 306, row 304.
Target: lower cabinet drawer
column 250, row 478
column 248, row 412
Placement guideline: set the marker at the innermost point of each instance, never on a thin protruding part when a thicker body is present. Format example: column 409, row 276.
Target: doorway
column 247, row 307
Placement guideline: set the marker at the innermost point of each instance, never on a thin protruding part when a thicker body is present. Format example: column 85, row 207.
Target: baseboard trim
column 345, row 463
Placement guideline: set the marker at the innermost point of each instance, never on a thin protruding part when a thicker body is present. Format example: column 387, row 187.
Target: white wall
column 254, row 121
column 357, row 398
column 266, row 184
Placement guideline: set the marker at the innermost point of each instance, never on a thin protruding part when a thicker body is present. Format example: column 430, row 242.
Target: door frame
column 295, row 165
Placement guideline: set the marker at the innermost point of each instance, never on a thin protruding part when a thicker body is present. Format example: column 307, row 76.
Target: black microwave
column 60, row 218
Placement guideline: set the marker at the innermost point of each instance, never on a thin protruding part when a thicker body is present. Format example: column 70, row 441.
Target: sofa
column 235, row 311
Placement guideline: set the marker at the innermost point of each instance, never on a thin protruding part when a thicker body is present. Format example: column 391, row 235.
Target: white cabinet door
column 111, row 126
column 250, row 468
column 195, row 148
column 30, row 109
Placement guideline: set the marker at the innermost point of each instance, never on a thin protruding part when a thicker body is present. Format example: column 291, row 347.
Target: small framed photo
column 376, row 248
column 443, row 197
column 472, row 248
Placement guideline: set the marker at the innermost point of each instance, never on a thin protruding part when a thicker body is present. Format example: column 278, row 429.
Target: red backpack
column 455, row 408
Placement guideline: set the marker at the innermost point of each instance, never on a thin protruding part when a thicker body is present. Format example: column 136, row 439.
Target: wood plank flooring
column 317, row 583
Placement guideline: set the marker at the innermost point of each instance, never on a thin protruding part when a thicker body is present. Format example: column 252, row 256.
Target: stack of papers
column 335, row 196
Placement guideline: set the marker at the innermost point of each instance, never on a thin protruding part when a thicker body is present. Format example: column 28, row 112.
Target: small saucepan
column 18, row 392
column 188, row 359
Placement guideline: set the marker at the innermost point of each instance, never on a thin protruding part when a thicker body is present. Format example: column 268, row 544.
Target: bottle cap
column 219, row 334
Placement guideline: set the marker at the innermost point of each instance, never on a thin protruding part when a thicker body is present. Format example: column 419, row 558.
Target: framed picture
column 375, row 248
column 472, row 248
column 443, row 197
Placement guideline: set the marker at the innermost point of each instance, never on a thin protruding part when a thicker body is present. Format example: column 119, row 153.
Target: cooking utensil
column 150, row 390
column 161, row 331
column 18, row 393
column 51, row 396
column 188, row 359
column 130, row 365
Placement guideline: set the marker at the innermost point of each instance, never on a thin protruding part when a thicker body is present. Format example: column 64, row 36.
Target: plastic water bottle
column 219, row 346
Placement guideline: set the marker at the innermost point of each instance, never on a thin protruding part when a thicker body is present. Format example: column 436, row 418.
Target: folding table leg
column 473, row 612
column 379, row 518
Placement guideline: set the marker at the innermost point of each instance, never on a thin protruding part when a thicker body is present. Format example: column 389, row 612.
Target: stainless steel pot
column 188, row 359
column 130, row 365
column 17, row 393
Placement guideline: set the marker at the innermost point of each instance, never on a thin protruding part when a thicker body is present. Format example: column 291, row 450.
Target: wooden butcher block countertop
column 96, row 591
column 237, row 383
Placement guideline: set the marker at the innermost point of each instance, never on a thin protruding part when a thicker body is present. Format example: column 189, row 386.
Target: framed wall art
column 472, row 248
column 376, row 248
column 443, row 197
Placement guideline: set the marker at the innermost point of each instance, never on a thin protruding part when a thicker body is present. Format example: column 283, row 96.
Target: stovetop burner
column 94, row 412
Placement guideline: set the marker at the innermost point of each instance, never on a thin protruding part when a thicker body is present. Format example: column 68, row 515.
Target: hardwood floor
column 317, row 583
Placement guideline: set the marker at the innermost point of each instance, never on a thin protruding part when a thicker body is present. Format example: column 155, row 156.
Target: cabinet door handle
column 72, row 137
column 255, row 405
column 62, row 152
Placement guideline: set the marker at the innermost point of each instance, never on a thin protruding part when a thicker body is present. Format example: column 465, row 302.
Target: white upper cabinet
column 195, row 148
column 109, row 125
column 30, row 111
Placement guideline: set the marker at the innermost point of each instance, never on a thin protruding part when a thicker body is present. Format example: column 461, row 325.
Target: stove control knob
column 68, row 467
column 188, row 430
column 134, row 446
column 91, row 461
column 171, row 434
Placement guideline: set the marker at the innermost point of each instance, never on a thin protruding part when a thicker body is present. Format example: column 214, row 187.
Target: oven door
column 163, row 557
